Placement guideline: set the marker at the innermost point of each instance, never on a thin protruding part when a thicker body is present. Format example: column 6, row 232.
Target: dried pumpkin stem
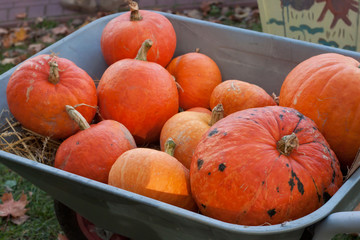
column 54, row 76
column 142, row 53
column 170, row 147
column 134, row 11
column 216, row 114
column 287, row 144
column 77, row 117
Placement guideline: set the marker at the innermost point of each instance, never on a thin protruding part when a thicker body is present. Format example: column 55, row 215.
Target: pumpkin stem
column 276, row 98
column 142, row 53
column 287, row 144
column 134, row 11
column 216, row 114
column 54, row 76
column 170, row 147
column 77, row 117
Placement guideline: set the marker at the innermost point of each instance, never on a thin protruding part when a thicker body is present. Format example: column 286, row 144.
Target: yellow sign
column 329, row 22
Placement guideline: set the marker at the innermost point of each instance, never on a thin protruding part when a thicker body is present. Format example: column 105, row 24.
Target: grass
column 42, row 223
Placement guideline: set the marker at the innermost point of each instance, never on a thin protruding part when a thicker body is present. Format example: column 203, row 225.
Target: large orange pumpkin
column 92, row 151
column 123, row 36
column 236, row 95
column 263, row 166
column 197, row 75
column 154, row 174
column 39, row 89
column 141, row 95
column 326, row 88
column 186, row 129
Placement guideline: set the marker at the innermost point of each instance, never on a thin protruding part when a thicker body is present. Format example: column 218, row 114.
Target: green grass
column 41, row 224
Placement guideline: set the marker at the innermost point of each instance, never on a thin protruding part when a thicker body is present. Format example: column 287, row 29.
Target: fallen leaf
column 61, row 29
column 61, row 237
column 47, row 39
column 21, row 15
column 8, row 61
column 19, row 220
column 3, row 31
column 35, row 47
column 20, row 35
column 7, row 41
column 12, row 208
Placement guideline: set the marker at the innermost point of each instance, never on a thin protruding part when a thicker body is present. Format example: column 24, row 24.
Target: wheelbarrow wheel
column 77, row 227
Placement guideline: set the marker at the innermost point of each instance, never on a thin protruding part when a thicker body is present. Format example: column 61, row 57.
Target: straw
column 23, row 142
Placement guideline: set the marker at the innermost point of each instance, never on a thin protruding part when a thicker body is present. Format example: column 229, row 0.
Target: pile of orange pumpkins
column 223, row 147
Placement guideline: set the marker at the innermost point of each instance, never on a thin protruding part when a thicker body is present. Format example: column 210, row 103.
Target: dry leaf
column 14, row 209
column 19, row 220
column 61, row 29
column 3, row 31
column 8, row 61
column 61, row 237
column 7, row 41
column 35, row 47
column 21, row 15
column 47, row 39
column 20, row 35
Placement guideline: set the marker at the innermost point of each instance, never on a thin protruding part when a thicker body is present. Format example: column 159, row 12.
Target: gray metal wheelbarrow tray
column 246, row 55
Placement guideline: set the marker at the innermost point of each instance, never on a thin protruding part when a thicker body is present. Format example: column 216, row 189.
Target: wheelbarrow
column 258, row 58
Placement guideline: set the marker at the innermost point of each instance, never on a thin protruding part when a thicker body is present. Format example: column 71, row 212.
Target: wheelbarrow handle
column 339, row 222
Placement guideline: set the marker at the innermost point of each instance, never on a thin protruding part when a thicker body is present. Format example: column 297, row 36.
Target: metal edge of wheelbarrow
column 259, row 58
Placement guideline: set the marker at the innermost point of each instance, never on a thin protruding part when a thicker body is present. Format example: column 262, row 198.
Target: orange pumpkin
column 92, row 151
column 197, row 75
column 123, row 36
column 263, row 166
column 39, row 89
column 186, row 129
column 141, row 95
column 200, row 109
column 236, row 95
column 153, row 174
column 326, row 88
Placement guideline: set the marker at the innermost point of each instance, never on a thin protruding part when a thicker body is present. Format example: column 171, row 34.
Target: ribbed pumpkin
column 326, row 88
column 92, row 151
column 141, row 95
column 263, row 166
column 186, row 129
column 123, row 36
column 39, row 89
column 153, row 174
column 236, row 95
column 197, row 75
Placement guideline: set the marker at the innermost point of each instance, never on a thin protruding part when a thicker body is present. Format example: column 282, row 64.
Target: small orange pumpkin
column 123, row 36
column 326, row 88
column 153, row 174
column 236, row 95
column 197, row 75
column 39, row 89
column 263, row 165
column 92, row 151
column 186, row 129
column 200, row 109
column 141, row 95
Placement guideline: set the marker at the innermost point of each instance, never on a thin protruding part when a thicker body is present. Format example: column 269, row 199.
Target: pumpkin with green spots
column 263, row 165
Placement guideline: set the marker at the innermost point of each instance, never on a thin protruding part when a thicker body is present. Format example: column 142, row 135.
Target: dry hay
column 20, row 141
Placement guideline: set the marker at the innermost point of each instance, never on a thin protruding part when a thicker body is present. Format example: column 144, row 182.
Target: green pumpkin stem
column 170, row 147
column 77, row 117
column 216, row 114
column 287, row 144
column 54, row 75
column 134, row 11
column 145, row 47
